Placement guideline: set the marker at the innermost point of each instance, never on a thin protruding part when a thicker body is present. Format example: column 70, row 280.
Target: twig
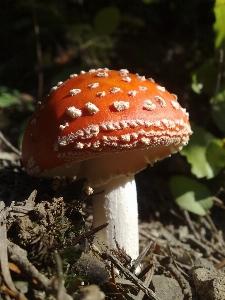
column 23, row 263
column 213, row 226
column 203, row 245
column 147, row 281
column 4, row 255
column 52, row 285
column 190, row 224
column 6, row 290
column 220, row 265
column 90, row 233
column 3, row 138
column 141, row 256
column 127, row 274
column 113, row 274
column 144, row 271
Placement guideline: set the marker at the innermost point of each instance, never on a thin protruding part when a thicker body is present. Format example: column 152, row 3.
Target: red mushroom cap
column 99, row 115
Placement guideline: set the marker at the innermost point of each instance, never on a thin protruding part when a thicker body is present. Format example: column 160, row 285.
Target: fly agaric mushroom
column 106, row 126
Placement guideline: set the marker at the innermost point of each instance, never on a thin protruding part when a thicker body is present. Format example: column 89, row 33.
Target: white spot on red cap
column 123, row 124
column 53, row 89
column 134, row 135
column 61, row 127
column 101, row 94
column 114, row 90
column 93, row 85
column 132, row 93
column 126, row 79
column 149, row 105
column 185, row 112
column 142, row 78
column 123, row 72
column 79, row 145
column 73, row 112
column 92, row 108
column 145, row 141
column 160, row 88
column 73, row 75
column 62, row 142
column 143, row 88
column 74, row 92
column 140, row 122
column 96, row 145
column 121, row 105
column 175, row 104
column 161, row 101
column 91, row 131
column 102, row 69
column 102, row 74
column 175, row 96
column 110, row 125
column 151, row 79
column 125, row 137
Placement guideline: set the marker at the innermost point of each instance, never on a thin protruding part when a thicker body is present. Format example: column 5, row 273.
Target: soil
column 48, row 225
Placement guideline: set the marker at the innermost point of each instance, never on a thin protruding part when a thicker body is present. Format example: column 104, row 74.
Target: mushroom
column 106, row 125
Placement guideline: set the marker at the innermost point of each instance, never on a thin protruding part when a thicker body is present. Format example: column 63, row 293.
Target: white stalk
column 117, row 205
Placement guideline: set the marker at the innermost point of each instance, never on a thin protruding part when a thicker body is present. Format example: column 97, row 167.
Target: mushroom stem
column 116, row 203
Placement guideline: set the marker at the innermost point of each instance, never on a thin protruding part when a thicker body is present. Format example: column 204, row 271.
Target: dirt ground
column 48, row 228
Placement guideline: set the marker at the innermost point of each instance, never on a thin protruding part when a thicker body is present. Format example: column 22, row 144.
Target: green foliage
column 215, row 154
column 204, row 78
column 107, row 20
column 8, row 98
column 218, row 110
column 70, row 255
column 219, row 10
column 195, row 152
column 191, row 195
column 205, row 152
column 16, row 109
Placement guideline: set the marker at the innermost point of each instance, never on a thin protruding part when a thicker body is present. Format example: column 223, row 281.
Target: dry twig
column 4, row 255
column 127, row 273
column 4, row 139
column 147, row 281
column 17, row 256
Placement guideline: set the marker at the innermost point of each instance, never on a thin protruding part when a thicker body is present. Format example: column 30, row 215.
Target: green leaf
column 107, row 20
column 218, row 110
column 219, row 28
column 191, row 195
column 8, row 98
column 215, row 154
column 195, row 85
column 204, row 79
column 195, row 152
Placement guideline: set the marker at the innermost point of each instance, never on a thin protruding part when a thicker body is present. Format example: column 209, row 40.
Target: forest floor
column 46, row 226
